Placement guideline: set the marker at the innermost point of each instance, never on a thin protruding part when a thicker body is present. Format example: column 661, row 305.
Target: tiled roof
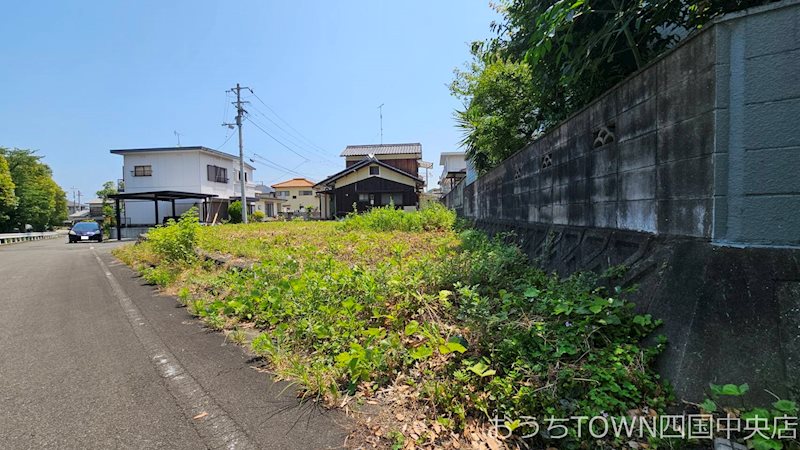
column 294, row 182
column 382, row 149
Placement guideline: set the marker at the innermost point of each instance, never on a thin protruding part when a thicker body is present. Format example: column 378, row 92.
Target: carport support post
column 173, row 208
column 155, row 201
column 119, row 225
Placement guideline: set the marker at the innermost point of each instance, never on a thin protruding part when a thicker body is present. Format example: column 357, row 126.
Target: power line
column 230, row 135
column 299, row 134
column 306, row 156
column 280, row 177
column 264, row 160
column 276, row 139
column 289, row 136
column 290, row 140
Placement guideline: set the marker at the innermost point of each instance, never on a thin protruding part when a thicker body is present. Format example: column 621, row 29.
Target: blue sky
column 80, row 78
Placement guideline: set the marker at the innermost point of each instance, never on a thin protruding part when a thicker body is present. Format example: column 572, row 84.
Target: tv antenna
column 380, row 112
column 177, row 135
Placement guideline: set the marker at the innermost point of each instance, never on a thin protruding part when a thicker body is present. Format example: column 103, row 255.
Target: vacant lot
column 403, row 312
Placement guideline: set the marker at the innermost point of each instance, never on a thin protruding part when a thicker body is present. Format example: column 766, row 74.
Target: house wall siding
column 405, row 164
column 184, row 171
column 348, row 194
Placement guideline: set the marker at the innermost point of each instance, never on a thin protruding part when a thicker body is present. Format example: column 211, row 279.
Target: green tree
column 235, row 211
column 107, row 190
column 500, row 114
column 41, row 203
column 8, row 200
column 574, row 51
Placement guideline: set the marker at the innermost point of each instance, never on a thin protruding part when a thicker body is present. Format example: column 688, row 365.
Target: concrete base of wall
column 731, row 315
column 130, row 232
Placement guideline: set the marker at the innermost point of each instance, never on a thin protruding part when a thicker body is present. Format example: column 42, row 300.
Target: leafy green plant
column 432, row 217
column 235, row 212
column 176, row 241
column 238, row 336
column 772, row 433
column 258, row 216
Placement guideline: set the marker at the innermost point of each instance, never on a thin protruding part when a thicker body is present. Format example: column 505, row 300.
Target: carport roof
column 160, row 195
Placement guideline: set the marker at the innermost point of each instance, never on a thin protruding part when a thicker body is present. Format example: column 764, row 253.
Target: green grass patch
column 390, row 298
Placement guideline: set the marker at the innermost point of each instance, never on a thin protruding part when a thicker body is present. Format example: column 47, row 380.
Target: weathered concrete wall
column 757, row 156
column 731, row 315
column 700, row 143
column 705, row 151
column 629, row 161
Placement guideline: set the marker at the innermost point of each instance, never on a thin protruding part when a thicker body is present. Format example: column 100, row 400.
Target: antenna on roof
column 380, row 111
column 178, row 135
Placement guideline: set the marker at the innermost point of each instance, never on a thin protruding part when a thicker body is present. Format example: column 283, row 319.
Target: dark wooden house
column 374, row 175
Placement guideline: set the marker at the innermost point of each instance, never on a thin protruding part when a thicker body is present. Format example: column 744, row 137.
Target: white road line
column 216, row 428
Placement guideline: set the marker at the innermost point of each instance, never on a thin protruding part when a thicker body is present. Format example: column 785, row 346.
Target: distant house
column 73, row 207
column 454, row 170
column 95, row 209
column 374, row 175
column 298, row 194
column 267, row 201
column 76, row 212
column 164, row 182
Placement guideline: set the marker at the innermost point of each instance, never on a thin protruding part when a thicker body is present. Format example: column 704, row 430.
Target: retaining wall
column 687, row 173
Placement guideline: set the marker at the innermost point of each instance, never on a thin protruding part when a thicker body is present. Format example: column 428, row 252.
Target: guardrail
column 10, row 238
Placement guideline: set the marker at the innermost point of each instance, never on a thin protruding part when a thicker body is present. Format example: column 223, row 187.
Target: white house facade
column 211, row 176
column 454, row 169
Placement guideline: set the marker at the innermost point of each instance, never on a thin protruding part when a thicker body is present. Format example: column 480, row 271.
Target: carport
column 155, row 197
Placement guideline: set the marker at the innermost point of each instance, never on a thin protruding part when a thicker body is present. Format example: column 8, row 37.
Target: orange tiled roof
column 294, row 182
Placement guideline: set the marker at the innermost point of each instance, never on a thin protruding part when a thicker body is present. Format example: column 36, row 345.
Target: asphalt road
column 90, row 357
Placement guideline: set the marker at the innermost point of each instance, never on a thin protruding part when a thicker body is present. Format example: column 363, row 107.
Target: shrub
column 175, row 242
column 235, row 212
column 432, row 217
column 258, row 216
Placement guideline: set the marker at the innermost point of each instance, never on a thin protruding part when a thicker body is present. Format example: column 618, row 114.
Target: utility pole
column 74, row 205
column 380, row 111
column 240, row 111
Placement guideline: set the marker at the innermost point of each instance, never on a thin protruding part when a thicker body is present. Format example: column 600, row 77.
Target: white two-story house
column 158, row 180
column 454, row 169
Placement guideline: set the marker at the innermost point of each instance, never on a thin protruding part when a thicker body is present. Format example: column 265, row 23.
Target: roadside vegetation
column 447, row 326
column 549, row 58
column 29, row 198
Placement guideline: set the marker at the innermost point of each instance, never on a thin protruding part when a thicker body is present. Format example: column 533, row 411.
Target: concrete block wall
column 757, row 159
column 706, row 151
column 701, row 143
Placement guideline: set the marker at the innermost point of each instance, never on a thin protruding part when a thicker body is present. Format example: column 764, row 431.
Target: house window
column 395, row 199
column 282, row 193
column 374, row 170
column 217, row 174
column 363, row 197
column 306, row 193
column 142, row 171
column 239, row 175
column 270, row 210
